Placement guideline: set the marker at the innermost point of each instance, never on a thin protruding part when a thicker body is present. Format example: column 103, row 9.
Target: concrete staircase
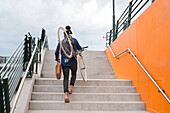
column 103, row 93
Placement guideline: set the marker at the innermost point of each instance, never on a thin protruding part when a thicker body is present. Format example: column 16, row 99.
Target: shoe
column 70, row 91
column 67, row 98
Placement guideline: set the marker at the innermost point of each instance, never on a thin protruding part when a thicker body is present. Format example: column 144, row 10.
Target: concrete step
column 86, row 96
column 101, row 56
column 89, row 73
column 94, row 52
column 85, row 89
column 87, row 105
column 101, row 94
column 80, row 111
column 99, row 68
column 91, row 65
column 84, row 52
column 88, row 63
column 89, row 77
column 88, row 68
column 96, row 57
column 90, row 82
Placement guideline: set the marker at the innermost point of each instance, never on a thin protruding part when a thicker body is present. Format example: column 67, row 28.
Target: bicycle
column 71, row 53
column 82, row 66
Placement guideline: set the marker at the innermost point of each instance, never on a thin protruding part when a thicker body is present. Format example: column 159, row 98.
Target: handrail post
column 5, row 60
column 6, row 94
column 36, row 60
column 40, row 50
column 125, row 25
column 33, row 57
column 113, row 21
column 30, row 50
column 117, row 28
column 110, row 37
column 1, row 99
column 129, row 14
column 107, row 38
column 25, row 53
column 33, row 43
column 43, row 35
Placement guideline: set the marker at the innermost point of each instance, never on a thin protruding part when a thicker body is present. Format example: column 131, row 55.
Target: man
column 68, row 63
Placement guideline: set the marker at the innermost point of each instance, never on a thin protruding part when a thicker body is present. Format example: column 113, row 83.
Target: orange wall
column 149, row 39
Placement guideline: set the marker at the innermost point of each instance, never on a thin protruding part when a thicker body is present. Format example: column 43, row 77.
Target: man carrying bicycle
column 68, row 63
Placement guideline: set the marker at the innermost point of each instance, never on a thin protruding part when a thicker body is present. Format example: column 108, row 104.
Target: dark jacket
column 65, row 61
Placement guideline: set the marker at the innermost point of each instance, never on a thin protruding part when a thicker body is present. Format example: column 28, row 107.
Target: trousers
column 66, row 69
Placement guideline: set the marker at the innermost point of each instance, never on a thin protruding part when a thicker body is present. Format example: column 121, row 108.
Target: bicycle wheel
column 82, row 68
column 63, row 40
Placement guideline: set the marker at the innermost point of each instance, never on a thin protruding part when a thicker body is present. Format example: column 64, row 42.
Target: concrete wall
column 149, row 39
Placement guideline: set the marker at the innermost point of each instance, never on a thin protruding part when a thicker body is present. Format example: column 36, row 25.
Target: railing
column 134, row 56
column 4, row 59
column 23, row 63
column 130, row 13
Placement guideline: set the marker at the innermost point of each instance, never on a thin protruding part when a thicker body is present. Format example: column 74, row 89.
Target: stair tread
column 109, row 95
column 58, row 93
column 87, row 79
column 84, row 102
column 86, row 86
column 78, row 111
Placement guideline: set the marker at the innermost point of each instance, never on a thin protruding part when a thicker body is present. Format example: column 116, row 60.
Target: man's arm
column 78, row 45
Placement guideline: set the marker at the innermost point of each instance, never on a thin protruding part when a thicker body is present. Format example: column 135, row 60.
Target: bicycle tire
column 82, row 68
column 69, row 41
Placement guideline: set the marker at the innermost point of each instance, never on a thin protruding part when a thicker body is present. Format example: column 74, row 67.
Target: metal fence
column 12, row 72
column 131, row 12
column 4, row 59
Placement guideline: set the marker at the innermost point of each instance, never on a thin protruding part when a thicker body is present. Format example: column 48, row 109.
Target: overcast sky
column 89, row 19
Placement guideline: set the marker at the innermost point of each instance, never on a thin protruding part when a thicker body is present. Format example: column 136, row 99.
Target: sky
column 89, row 19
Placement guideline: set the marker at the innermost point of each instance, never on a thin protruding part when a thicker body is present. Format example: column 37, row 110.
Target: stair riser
column 80, row 111
column 88, row 83
column 87, row 89
column 95, row 95
column 86, row 97
column 88, row 73
column 90, row 66
column 88, row 70
column 87, row 106
column 92, row 55
column 87, row 63
column 100, row 58
column 89, row 77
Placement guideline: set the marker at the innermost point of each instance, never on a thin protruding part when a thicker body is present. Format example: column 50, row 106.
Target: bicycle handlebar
column 85, row 47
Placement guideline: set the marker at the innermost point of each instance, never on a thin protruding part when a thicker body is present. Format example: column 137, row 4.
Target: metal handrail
column 10, row 58
column 24, row 76
column 22, row 82
column 125, row 20
column 13, row 61
column 143, row 69
column 4, row 59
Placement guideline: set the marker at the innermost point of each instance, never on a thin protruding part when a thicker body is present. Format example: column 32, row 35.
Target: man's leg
column 73, row 77
column 65, row 82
